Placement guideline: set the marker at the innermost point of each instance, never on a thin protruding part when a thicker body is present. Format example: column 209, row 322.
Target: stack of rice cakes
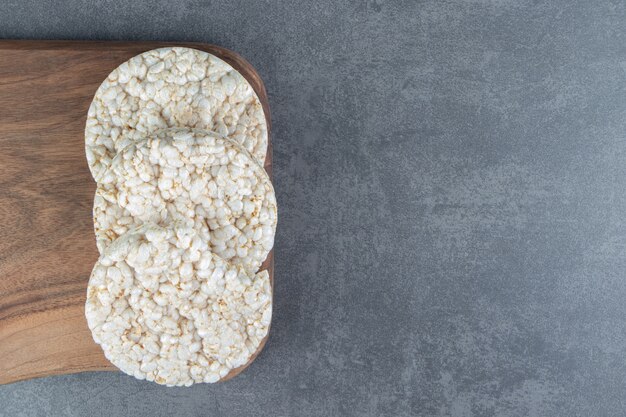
column 184, row 215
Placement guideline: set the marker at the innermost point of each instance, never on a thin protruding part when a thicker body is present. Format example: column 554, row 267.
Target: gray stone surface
column 451, row 178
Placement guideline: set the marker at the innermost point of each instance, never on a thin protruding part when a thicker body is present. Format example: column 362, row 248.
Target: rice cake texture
column 166, row 309
column 204, row 180
column 172, row 87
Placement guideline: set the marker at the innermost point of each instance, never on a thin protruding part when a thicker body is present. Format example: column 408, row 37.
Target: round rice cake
column 166, row 309
column 172, row 87
column 199, row 178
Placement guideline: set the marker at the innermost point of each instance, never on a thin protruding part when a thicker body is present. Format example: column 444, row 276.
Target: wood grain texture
column 47, row 243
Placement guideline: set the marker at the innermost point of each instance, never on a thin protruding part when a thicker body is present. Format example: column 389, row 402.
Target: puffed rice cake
column 172, row 87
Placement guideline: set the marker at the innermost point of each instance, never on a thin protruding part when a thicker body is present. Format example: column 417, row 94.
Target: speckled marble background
column 452, row 186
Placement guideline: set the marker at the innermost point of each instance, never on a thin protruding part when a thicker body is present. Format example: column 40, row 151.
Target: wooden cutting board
column 47, row 243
